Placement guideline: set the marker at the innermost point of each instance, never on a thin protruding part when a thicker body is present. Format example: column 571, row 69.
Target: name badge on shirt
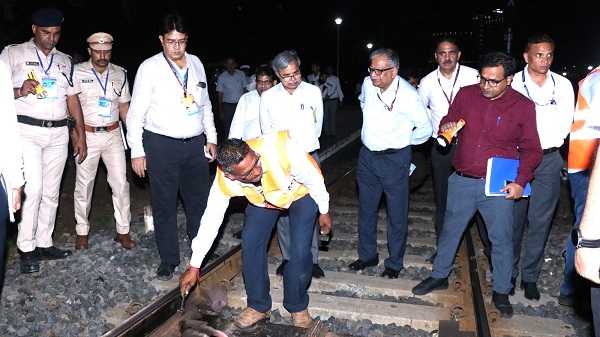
column 190, row 104
column 104, row 105
column 51, row 86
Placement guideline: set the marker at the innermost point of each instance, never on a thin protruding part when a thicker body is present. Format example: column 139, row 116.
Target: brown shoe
column 249, row 317
column 302, row 319
column 125, row 241
column 81, row 242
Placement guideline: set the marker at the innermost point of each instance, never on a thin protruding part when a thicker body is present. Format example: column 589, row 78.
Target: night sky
column 255, row 31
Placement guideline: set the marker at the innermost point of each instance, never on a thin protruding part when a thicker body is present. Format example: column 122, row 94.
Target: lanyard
column 100, row 81
column 552, row 101
column 391, row 106
column 42, row 64
column 449, row 99
column 182, row 81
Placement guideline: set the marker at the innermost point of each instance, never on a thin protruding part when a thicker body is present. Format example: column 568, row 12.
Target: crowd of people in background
column 264, row 131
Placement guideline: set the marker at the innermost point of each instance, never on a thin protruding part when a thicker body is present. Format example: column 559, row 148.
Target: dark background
column 255, row 31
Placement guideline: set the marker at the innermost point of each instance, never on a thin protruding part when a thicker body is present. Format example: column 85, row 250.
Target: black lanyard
column 449, row 99
column 178, row 77
column 391, row 106
column 552, row 101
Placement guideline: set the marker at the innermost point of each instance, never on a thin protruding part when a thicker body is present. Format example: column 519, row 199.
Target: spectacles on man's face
column 492, row 83
column 378, row 72
column 288, row 77
column 265, row 82
column 171, row 42
column 247, row 175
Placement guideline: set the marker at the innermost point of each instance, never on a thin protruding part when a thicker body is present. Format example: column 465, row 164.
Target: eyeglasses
column 377, row 72
column 246, row 176
column 171, row 42
column 288, row 77
column 259, row 82
column 492, row 83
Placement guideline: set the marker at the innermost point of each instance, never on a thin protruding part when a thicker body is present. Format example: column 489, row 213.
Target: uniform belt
column 43, row 123
column 550, row 150
column 466, row 175
column 179, row 139
column 94, row 129
column 386, row 151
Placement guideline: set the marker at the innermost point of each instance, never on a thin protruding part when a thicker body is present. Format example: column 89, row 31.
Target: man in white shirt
column 313, row 77
column 295, row 106
column 394, row 118
column 169, row 112
column 332, row 98
column 245, row 124
column 437, row 90
column 231, row 86
column 554, row 101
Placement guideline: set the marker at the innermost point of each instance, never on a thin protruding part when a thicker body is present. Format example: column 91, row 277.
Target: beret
column 47, row 17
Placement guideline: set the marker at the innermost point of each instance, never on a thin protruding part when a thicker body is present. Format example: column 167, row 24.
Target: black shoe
column 390, row 273
column 317, row 272
column 513, row 282
column 165, row 271
column 431, row 258
column 52, row 253
column 531, row 290
column 430, row 284
column 29, row 262
column 281, row 268
column 502, row 304
column 360, row 264
column 567, row 300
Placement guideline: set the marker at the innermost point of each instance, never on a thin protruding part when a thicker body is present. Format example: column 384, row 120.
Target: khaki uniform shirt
column 23, row 58
column 117, row 91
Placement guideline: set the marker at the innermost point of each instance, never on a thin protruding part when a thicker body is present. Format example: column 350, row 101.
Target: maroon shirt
column 504, row 127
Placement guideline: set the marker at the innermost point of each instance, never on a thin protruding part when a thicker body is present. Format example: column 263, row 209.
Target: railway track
column 361, row 298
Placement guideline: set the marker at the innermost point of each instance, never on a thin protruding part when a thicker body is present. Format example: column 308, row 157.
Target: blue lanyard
column 100, row 81
column 552, row 101
column 182, row 81
column 42, row 64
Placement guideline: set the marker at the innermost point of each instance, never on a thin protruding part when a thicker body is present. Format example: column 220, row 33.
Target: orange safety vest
column 583, row 141
column 278, row 188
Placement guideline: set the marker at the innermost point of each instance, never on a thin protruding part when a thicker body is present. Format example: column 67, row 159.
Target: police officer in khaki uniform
column 42, row 117
column 104, row 98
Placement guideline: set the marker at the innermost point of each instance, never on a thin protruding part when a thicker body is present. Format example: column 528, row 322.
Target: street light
column 369, row 46
column 338, row 22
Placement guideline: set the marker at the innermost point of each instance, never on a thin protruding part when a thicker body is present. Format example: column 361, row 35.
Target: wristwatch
column 580, row 242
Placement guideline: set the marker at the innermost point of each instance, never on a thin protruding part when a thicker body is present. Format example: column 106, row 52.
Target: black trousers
column 175, row 166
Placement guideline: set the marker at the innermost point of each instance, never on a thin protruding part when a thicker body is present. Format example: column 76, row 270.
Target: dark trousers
column 228, row 111
column 3, row 228
column 377, row 174
column 330, row 108
column 175, row 166
column 534, row 215
column 298, row 272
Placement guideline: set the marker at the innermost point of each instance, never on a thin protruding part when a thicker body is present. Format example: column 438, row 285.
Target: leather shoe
column 81, row 242
column 513, row 282
column 502, row 304
column 430, row 284
column 531, row 290
column 125, row 241
column 567, row 300
column 29, row 262
column 317, row 272
column 281, row 268
column 360, row 264
column 390, row 273
column 52, row 253
column 165, row 271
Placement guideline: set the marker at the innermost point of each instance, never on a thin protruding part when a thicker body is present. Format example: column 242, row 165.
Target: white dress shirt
column 384, row 129
column 232, row 87
column 435, row 94
column 302, row 171
column 333, row 88
column 553, row 120
column 156, row 104
column 301, row 113
column 245, row 124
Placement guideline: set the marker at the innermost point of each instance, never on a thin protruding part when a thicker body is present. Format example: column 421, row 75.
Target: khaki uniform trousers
column 44, row 158
column 107, row 146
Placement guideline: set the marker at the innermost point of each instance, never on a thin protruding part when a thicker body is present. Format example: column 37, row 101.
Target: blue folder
column 500, row 172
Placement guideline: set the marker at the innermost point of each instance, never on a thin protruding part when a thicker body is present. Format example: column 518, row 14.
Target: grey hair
column 392, row 56
column 284, row 59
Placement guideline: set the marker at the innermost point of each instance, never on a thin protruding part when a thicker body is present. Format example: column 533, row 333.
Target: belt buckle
column 49, row 124
column 102, row 129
